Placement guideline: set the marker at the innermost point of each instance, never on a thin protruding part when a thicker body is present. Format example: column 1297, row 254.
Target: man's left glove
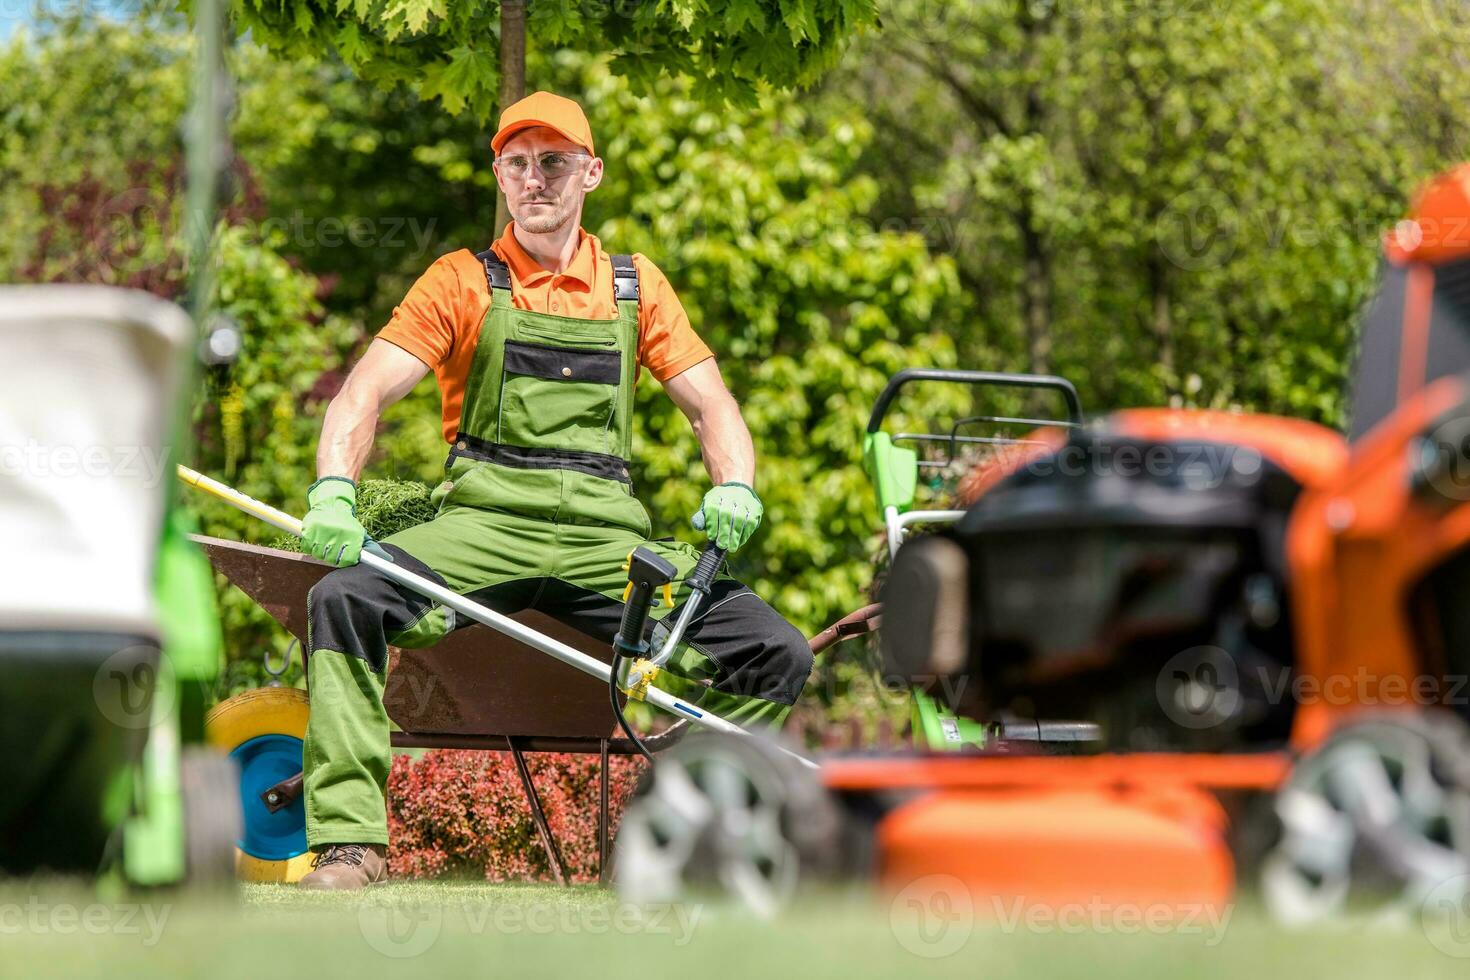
column 331, row 530
column 730, row 514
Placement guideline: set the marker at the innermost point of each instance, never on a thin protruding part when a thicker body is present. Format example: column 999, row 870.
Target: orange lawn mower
column 1258, row 624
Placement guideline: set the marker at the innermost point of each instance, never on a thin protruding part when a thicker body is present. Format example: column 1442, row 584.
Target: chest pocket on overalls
column 558, row 397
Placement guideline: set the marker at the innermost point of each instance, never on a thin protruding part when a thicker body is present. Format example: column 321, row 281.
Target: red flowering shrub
column 456, row 813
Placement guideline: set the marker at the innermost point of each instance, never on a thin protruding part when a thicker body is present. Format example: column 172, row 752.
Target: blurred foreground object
column 108, row 633
column 1417, row 329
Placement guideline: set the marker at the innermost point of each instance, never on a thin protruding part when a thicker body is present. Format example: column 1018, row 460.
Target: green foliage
column 388, row 506
column 1166, row 202
column 115, row 167
column 256, row 428
column 90, row 200
column 367, row 185
column 449, row 52
column 98, row 200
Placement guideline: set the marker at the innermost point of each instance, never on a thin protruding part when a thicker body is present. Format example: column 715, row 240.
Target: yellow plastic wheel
column 263, row 731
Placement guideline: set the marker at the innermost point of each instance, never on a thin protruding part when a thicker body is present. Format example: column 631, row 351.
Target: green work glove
column 331, row 530
column 730, row 514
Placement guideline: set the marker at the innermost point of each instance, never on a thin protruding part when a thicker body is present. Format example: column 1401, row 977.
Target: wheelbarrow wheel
column 263, row 731
column 211, row 789
column 728, row 816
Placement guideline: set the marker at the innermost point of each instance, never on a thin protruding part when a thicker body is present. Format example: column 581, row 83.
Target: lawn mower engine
column 1129, row 574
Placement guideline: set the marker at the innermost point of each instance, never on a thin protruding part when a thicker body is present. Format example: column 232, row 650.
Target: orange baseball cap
column 544, row 109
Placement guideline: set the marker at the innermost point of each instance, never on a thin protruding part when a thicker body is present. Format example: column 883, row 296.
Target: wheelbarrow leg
column 602, row 814
column 542, row 828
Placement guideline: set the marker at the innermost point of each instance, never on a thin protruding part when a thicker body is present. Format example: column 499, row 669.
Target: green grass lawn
column 455, row 930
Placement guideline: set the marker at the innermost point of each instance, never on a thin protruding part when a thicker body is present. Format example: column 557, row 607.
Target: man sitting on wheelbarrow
column 536, row 344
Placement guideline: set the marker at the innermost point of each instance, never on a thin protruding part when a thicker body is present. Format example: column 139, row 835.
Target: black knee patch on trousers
column 760, row 654
column 354, row 610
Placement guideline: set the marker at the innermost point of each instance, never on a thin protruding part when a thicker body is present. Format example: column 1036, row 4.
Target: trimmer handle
column 646, row 573
column 699, row 582
column 706, row 568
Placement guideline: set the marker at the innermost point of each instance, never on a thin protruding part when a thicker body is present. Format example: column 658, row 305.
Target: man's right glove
column 331, row 530
column 729, row 514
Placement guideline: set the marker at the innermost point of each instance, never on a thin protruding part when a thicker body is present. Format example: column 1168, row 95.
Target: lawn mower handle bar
column 550, row 646
column 907, row 375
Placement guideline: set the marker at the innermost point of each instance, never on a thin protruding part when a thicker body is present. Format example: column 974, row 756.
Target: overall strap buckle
column 497, row 273
column 625, row 278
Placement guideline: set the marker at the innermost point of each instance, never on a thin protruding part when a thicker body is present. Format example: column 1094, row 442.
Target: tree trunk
column 512, row 77
column 1035, row 294
column 1036, row 290
column 1162, row 324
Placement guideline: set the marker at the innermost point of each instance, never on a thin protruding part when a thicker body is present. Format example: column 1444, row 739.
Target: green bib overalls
column 537, row 511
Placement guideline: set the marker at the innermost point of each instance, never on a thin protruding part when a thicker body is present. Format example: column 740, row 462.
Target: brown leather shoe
column 346, row 867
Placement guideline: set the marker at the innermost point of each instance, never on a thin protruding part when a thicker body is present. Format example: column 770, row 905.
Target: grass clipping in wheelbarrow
column 385, row 507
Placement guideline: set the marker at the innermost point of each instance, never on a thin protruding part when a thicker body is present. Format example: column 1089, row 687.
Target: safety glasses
column 552, row 164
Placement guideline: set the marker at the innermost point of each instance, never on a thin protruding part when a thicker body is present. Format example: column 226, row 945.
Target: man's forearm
column 385, row 374
column 347, row 433
column 724, row 441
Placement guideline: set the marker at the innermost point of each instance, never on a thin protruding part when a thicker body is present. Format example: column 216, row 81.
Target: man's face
column 541, row 203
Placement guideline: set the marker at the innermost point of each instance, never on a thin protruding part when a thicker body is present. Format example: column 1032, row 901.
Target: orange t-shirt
column 439, row 320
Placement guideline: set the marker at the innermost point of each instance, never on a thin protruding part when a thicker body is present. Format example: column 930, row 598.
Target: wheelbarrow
column 475, row 689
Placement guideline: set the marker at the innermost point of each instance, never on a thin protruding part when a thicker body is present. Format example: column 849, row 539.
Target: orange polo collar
column 529, row 272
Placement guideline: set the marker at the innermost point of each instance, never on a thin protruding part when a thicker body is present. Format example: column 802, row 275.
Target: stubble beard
column 543, row 220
